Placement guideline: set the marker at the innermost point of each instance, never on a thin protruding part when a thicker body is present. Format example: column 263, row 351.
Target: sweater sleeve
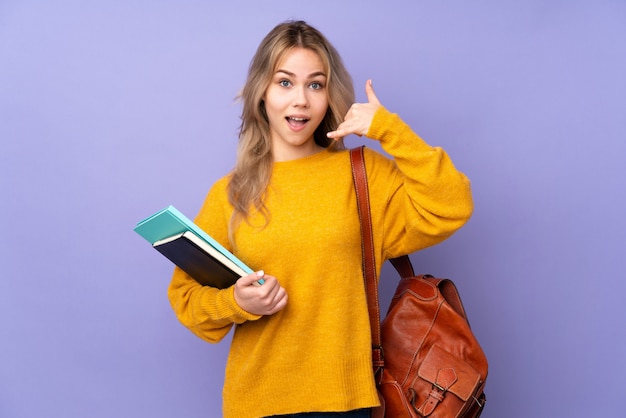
column 422, row 199
column 206, row 311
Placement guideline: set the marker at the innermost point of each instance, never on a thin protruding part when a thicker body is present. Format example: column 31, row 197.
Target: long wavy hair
column 253, row 168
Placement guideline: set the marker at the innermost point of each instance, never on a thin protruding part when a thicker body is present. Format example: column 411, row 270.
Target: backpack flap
column 446, row 373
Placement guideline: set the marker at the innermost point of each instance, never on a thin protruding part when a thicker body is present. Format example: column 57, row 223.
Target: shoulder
column 217, row 196
column 377, row 161
column 220, row 187
column 216, row 207
column 383, row 175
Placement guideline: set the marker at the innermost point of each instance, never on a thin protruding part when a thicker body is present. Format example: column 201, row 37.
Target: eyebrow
column 312, row 75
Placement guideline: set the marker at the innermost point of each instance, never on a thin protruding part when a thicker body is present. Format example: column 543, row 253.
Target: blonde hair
column 253, row 168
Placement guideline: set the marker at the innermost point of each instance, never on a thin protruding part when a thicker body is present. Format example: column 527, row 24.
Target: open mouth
column 296, row 121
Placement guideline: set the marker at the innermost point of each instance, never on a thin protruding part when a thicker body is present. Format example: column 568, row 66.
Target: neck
column 294, row 153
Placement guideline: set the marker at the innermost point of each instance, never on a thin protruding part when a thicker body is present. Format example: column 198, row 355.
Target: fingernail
column 260, row 273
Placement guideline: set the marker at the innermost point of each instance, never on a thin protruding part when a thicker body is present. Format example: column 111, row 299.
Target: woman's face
column 296, row 102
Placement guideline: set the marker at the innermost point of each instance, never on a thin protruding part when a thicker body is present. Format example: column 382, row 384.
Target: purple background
column 112, row 110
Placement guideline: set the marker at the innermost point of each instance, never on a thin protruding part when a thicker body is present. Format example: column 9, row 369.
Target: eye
column 316, row 85
column 284, row 83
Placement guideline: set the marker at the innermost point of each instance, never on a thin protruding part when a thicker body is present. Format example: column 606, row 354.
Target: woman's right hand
column 266, row 299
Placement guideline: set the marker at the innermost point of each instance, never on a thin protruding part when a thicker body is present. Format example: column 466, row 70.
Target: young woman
column 288, row 209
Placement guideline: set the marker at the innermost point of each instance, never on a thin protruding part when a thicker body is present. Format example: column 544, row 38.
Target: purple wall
column 109, row 112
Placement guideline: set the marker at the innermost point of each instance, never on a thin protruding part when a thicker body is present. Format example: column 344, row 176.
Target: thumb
column 371, row 96
column 255, row 278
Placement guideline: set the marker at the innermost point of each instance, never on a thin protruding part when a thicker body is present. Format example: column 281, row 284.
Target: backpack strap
column 359, row 176
column 401, row 264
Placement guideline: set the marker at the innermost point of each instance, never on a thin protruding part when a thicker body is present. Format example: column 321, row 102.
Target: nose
column 301, row 98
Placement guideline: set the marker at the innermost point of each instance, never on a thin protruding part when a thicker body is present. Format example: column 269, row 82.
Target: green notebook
column 170, row 221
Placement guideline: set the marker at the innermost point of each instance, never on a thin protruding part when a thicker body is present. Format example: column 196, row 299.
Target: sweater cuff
column 382, row 120
column 227, row 303
column 394, row 134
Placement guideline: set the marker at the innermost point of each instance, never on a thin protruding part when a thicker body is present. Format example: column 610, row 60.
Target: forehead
column 301, row 62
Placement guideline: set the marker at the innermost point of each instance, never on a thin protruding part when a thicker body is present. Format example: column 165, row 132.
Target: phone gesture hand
column 359, row 117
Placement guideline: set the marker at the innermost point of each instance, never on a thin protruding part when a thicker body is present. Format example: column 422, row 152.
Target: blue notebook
column 170, row 221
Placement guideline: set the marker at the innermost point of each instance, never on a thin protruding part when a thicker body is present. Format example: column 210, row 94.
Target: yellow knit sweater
column 315, row 355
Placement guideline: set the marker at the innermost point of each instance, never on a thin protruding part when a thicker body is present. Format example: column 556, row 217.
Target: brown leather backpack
column 426, row 359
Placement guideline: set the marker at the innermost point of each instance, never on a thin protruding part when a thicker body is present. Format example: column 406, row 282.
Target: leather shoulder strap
column 402, row 264
column 359, row 175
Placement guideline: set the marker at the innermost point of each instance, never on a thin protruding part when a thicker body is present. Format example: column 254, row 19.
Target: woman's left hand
column 359, row 117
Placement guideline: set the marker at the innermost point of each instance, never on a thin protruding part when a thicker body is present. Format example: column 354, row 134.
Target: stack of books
column 190, row 248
